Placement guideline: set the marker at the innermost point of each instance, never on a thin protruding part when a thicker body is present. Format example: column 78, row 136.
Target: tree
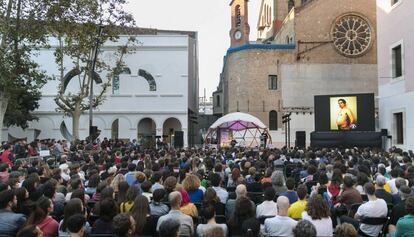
column 74, row 24
column 21, row 31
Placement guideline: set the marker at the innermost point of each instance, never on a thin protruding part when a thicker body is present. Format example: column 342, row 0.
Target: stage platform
column 346, row 139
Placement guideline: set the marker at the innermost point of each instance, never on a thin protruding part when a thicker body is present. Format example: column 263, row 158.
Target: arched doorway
column 115, row 129
column 169, row 128
column 273, row 120
column 146, row 133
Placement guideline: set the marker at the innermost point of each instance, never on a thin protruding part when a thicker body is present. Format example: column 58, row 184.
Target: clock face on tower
column 237, row 35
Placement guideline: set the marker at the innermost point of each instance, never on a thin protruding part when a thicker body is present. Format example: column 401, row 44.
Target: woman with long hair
column 128, row 203
column 335, row 185
column 242, row 212
column 317, row 212
column 211, row 198
column 92, row 184
column 24, row 204
column 122, row 191
column 74, row 206
column 192, row 185
column 145, row 223
column 116, row 181
column 233, row 177
column 41, row 218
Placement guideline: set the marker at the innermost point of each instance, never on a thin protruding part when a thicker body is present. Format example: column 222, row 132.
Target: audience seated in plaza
column 157, row 208
column 40, row 217
column 30, row 231
column 317, row 212
column 209, row 215
column 375, row 207
column 268, row 207
column 141, row 213
column 216, row 182
column 170, row 228
column 124, row 225
column 243, row 210
column 108, row 210
column 128, row 203
column 345, row 230
column 10, row 222
column 74, row 206
column 290, row 193
column 191, row 184
column 251, row 228
column 121, row 178
column 241, row 191
column 296, row 209
column 281, row 224
column 399, row 209
column 405, row 225
column 380, row 192
column 76, row 225
column 185, row 221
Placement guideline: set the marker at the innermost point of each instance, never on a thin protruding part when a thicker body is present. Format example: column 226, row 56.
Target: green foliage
column 21, row 31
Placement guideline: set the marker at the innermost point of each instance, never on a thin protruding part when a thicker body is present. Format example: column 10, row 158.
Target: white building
column 135, row 107
column 395, row 70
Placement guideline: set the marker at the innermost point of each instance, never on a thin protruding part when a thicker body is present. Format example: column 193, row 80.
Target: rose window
column 352, row 35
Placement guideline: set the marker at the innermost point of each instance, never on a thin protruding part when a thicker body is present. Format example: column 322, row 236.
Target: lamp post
column 286, row 121
column 91, row 73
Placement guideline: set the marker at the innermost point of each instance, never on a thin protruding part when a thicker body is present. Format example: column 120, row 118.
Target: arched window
column 238, row 16
column 115, row 80
column 115, row 84
column 150, row 79
column 273, row 120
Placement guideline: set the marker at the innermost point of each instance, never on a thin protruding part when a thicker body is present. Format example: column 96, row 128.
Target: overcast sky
column 210, row 18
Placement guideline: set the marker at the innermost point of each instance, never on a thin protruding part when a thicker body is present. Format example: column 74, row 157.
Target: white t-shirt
column 279, row 226
column 323, row 226
column 377, row 208
column 267, row 208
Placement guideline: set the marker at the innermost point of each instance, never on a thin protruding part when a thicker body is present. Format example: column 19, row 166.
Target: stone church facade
column 304, row 48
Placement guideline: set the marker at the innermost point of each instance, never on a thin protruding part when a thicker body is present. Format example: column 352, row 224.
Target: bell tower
column 240, row 29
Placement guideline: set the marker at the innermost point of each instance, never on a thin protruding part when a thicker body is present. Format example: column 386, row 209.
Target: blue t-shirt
column 196, row 196
column 291, row 195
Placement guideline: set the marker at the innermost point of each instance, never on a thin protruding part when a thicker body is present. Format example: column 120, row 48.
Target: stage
column 346, row 139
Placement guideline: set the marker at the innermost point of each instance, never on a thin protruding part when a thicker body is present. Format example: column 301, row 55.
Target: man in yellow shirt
column 296, row 209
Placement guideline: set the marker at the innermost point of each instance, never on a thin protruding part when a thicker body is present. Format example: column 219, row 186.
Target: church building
column 155, row 97
column 304, row 48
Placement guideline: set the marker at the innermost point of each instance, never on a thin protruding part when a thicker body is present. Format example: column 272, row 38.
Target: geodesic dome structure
column 244, row 128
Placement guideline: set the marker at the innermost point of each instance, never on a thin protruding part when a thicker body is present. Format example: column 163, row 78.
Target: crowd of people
column 117, row 188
